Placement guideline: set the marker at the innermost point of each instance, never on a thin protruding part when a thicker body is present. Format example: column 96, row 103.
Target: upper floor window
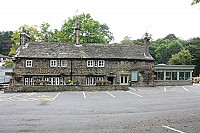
column 63, row 63
column 101, row 63
column 95, row 63
column 53, row 63
column 29, row 63
column 58, row 63
column 90, row 63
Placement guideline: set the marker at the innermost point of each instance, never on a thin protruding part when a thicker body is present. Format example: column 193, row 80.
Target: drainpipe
column 71, row 71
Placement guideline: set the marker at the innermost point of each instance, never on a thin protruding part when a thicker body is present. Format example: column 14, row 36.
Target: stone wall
column 115, row 68
column 173, row 83
column 66, row 88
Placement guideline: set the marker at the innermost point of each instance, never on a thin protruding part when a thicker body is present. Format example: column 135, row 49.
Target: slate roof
column 90, row 51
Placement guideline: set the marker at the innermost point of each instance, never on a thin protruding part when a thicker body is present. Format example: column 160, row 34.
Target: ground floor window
column 168, row 75
column 28, row 81
column 187, row 76
column 159, row 76
column 94, row 80
column 46, row 81
column 181, row 76
column 173, row 75
column 124, row 79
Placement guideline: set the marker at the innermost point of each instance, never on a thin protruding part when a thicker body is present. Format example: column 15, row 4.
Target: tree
column 193, row 45
column 165, row 51
column 171, row 37
column 127, row 40
column 181, row 58
column 195, row 2
column 47, row 35
column 5, row 42
column 161, row 54
column 35, row 35
column 91, row 31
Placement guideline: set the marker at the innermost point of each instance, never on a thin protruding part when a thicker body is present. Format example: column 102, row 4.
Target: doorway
column 111, row 79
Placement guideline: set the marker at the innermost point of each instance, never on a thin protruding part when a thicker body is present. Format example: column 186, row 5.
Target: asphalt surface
column 166, row 109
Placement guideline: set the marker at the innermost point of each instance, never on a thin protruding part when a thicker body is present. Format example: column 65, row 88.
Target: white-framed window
column 28, row 81
column 46, row 79
column 64, row 63
column 95, row 63
column 57, row 80
column 90, row 81
column 100, row 63
column 99, row 78
column 124, row 79
column 90, row 63
column 58, row 63
column 61, row 81
column 53, row 63
column 29, row 63
column 52, row 81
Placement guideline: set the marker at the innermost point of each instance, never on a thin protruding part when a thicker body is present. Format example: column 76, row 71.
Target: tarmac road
column 166, row 109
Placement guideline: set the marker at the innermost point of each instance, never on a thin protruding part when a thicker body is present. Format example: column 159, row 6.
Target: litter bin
column 129, row 83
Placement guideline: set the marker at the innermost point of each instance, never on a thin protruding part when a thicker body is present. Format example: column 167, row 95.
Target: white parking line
column 165, row 89
column 173, row 129
column 84, row 95
column 196, row 84
column 185, row 88
column 110, row 94
column 134, row 93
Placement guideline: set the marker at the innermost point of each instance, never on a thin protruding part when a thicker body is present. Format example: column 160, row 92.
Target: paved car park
column 174, row 109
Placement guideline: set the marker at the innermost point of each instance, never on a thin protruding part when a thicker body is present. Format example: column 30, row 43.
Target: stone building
column 60, row 64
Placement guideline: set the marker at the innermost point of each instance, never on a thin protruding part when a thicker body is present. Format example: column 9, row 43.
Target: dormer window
column 29, row 63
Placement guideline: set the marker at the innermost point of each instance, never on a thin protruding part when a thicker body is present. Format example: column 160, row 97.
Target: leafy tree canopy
column 195, row 2
column 5, row 42
column 127, row 40
column 91, row 31
column 181, row 58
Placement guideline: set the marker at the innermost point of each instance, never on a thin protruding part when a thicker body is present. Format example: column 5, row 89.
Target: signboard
column 134, row 76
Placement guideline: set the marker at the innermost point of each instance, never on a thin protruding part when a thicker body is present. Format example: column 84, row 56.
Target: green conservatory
column 173, row 74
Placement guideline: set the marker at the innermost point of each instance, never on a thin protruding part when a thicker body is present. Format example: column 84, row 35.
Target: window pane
column 64, row 63
column 58, row 63
column 95, row 63
column 168, row 75
column 29, row 63
column 187, row 75
column 181, row 76
column 160, row 75
column 53, row 63
column 122, row 79
column 90, row 63
column 174, row 75
column 156, row 76
column 101, row 63
column 126, row 79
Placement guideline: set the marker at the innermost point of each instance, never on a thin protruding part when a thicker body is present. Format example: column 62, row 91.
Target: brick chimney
column 146, row 44
column 24, row 37
column 77, row 32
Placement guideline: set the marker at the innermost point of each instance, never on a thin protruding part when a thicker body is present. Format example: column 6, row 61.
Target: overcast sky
column 124, row 17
